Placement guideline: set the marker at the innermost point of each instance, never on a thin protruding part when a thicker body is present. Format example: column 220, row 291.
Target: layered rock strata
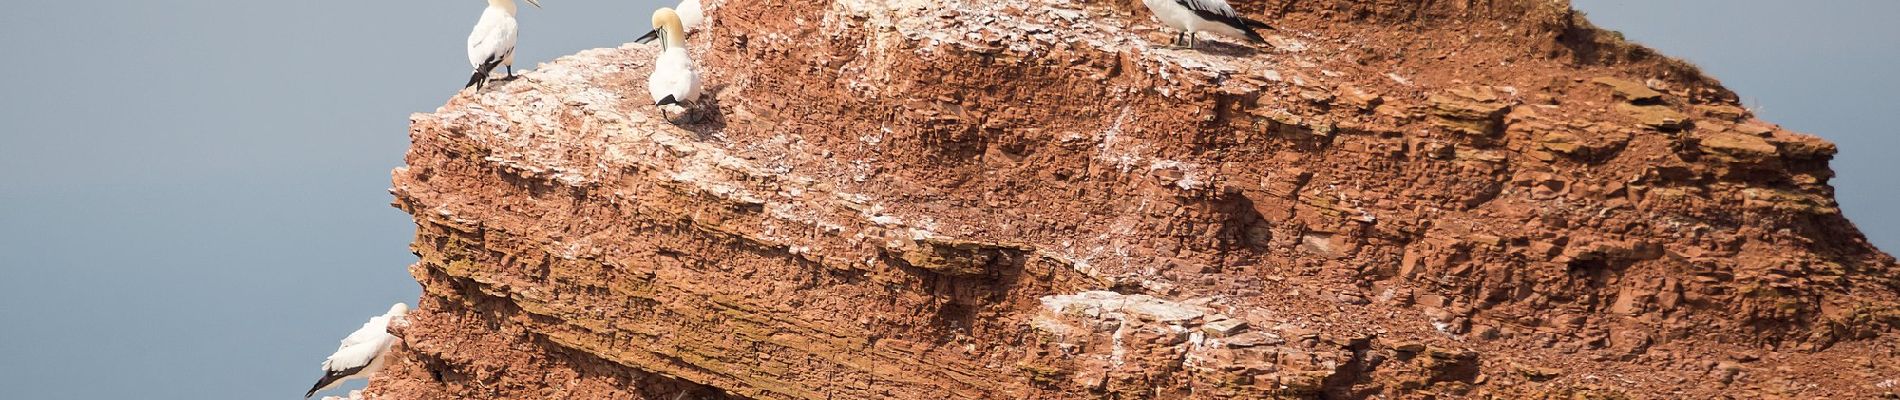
column 1037, row 199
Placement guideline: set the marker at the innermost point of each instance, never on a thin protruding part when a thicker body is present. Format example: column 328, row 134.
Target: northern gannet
column 361, row 353
column 673, row 81
column 691, row 15
column 1190, row 16
column 492, row 44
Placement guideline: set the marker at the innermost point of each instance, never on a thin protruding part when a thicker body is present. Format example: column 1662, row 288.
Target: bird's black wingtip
column 481, row 72
column 1257, row 24
column 330, row 377
column 476, row 79
column 327, row 378
column 647, row 38
column 667, row 100
column 1247, row 25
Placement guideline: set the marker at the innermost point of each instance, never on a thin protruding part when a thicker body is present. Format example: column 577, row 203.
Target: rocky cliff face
column 1036, row 199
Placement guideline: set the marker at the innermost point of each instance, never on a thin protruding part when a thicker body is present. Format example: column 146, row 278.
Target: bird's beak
column 534, row 3
column 644, row 39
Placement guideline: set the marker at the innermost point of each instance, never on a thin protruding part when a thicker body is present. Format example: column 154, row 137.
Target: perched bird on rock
column 492, row 44
column 674, row 80
column 1190, row 16
column 361, row 354
column 691, row 15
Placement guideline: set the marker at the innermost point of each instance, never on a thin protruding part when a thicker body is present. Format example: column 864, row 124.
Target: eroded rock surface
column 1037, row 199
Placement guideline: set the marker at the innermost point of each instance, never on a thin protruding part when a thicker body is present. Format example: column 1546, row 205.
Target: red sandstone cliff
column 1033, row 199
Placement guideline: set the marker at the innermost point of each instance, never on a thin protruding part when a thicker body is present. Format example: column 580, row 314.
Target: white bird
column 492, row 44
column 673, row 81
column 360, row 355
column 691, row 15
column 1190, row 16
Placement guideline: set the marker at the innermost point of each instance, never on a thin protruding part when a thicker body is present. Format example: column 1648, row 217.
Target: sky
column 193, row 194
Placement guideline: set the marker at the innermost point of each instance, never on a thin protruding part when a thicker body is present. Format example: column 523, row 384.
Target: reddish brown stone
column 881, row 201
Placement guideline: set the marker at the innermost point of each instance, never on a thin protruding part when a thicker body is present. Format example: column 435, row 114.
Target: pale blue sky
column 192, row 193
